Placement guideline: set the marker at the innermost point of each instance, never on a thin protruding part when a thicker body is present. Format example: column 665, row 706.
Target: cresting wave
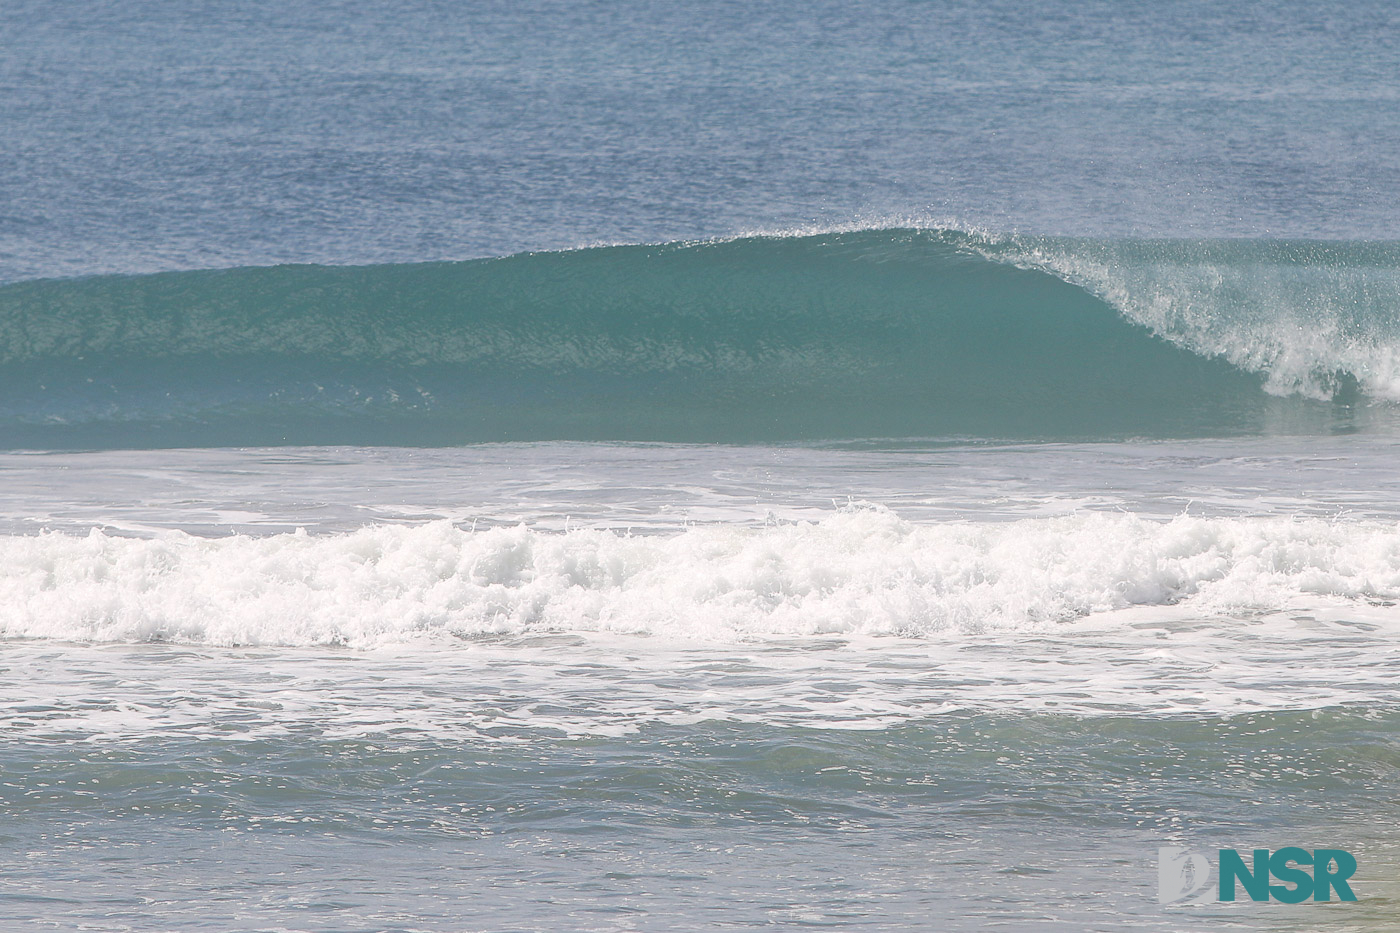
column 860, row 334
column 860, row 571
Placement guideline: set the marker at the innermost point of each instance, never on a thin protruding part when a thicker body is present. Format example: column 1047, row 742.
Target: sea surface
column 665, row 467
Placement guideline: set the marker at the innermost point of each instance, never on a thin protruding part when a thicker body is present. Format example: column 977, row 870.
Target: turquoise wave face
column 865, row 334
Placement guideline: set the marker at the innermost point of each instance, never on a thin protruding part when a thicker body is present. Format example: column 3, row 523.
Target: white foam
column 1299, row 315
column 858, row 571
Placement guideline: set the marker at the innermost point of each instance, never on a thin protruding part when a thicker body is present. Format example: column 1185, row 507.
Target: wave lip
column 858, row 334
column 1314, row 318
column 861, row 571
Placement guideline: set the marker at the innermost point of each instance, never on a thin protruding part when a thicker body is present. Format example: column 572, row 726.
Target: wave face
column 861, row 571
column 861, row 334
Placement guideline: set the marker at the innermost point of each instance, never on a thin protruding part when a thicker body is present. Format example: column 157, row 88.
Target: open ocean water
column 646, row 466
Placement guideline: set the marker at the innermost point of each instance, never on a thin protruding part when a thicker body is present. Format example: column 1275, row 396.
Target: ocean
column 664, row 467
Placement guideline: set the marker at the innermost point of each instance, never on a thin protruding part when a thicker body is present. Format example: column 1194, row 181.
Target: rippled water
column 553, row 777
column 880, row 669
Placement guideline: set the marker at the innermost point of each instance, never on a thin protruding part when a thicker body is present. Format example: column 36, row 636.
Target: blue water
column 582, row 466
column 216, row 135
column 856, row 335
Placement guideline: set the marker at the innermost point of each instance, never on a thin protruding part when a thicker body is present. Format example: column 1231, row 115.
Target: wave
column 860, row 571
column 859, row 334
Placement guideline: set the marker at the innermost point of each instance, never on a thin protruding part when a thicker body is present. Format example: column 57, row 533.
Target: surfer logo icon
column 1180, row 874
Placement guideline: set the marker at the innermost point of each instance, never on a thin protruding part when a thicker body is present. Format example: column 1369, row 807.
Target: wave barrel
column 867, row 334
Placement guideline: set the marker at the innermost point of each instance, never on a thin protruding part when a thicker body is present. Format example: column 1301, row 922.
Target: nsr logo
column 1182, row 874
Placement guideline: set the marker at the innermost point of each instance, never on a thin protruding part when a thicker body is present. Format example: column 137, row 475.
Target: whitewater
column 559, row 467
column 934, row 540
column 853, row 573
column 749, row 656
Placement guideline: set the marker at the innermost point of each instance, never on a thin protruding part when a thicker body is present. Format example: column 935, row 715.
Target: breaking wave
column 859, row 571
column 891, row 333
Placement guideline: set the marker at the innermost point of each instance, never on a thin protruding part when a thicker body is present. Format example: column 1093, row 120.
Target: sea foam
column 1315, row 319
column 858, row 571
